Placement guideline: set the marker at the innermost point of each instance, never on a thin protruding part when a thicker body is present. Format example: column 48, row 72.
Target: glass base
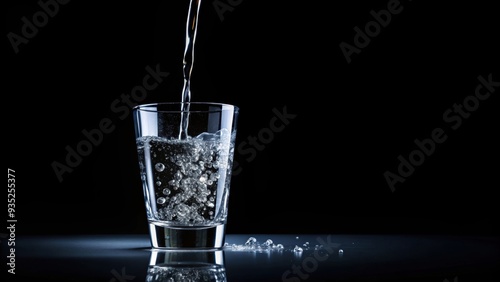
column 191, row 238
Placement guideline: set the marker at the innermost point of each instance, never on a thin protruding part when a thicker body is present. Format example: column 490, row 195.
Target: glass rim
column 147, row 107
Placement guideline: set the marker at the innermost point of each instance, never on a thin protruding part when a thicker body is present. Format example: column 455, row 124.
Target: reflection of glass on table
column 186, row 266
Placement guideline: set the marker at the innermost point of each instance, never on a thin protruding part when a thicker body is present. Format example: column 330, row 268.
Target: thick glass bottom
column 187, row 238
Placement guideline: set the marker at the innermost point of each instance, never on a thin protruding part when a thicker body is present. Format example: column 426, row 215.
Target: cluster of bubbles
column 186, row 175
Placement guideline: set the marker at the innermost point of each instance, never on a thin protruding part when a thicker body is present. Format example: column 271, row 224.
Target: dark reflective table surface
column 269, row 257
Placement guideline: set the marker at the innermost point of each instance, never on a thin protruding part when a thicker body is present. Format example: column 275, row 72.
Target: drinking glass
column 185, row 152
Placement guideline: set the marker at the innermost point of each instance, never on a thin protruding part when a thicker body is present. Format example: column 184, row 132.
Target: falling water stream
column 188, row 61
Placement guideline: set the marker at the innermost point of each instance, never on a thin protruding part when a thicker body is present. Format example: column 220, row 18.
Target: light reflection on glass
column 186, row 266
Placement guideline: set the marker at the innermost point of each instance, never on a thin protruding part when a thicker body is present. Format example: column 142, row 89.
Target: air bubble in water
column 161, row 200
column 178, row 175
column 182, row 210
column 159, row 167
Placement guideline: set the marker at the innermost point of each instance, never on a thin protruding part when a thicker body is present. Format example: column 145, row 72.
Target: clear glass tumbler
column 185, row 153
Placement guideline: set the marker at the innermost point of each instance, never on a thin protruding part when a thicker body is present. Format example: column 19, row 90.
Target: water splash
column 253, row 245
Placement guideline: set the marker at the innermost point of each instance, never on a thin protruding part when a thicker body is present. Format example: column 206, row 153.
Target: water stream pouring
column 188, row 61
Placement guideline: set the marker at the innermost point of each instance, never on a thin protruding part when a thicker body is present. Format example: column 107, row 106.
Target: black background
column 324, row 173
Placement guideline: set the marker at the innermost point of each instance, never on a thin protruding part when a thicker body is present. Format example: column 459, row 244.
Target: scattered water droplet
column 251, row 241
